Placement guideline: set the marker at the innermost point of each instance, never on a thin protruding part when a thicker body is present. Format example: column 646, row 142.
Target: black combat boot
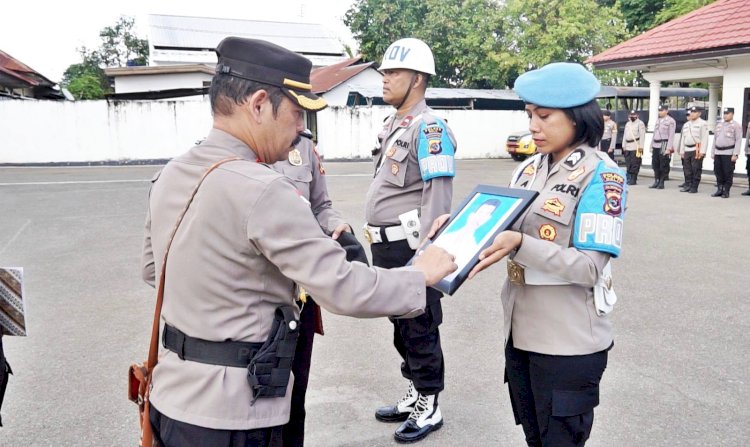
column 425, row 419
column 747, row 193
column 403, row 408
column 719, row 191
column 661, row 184
column 725, row 192
column 655, row 184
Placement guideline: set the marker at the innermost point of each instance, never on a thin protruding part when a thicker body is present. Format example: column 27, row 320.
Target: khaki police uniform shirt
column 398, row 186
column 610, row 132
column 727, row 138
column 634, row 135
column 664, row 131
column 308, row 176
column 556, row 319
column 694, row 133
column 246, row 239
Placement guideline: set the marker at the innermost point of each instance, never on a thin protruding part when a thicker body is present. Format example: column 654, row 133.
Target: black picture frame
column 504, row 206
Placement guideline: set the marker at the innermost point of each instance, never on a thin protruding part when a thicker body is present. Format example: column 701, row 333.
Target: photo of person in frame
column 473, row 227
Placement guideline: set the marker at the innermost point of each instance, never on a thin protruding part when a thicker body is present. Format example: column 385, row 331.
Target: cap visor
column 306, row 100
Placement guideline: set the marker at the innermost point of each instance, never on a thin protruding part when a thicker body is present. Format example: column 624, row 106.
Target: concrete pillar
column 713, row 103
column 653, row 104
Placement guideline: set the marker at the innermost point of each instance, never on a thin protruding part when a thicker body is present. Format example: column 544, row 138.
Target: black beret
column 354, row 250
column 267, row 63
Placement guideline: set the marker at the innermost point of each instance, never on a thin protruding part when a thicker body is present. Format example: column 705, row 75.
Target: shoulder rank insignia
column 295, row 157
column 574, row 158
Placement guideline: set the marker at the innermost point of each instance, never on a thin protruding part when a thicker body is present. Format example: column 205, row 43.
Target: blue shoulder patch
column 435, row 151
column 599, row 219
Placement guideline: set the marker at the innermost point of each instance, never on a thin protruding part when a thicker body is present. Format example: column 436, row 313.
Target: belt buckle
column 368, row 236
column 516, row 273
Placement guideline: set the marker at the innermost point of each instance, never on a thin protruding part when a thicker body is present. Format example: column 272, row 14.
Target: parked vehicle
column 520, row 145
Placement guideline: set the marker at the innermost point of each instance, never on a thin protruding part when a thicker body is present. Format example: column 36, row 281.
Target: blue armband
column 435, row 151
column 599, row 218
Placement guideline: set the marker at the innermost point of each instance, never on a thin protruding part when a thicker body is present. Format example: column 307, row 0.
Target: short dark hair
column 606, row 113
column 588, row 121
column 226, row 89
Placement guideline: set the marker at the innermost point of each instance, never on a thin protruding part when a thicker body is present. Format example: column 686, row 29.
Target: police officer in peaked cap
column 229, row 313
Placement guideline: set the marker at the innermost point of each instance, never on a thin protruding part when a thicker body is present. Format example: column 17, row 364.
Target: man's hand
column 340, row 229
column 734, row 158
column 435, row 263
column 503, row 244
column 437, row 224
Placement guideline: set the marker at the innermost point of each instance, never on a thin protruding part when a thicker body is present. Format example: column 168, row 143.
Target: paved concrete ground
column 679, row 374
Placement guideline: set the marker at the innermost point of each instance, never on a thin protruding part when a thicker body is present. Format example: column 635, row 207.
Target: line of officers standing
column 692, row 144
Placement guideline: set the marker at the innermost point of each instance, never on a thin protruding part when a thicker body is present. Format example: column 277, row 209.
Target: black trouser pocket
column 572, row 416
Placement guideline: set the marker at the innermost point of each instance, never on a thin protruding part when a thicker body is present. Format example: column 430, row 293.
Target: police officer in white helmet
column 413, row 184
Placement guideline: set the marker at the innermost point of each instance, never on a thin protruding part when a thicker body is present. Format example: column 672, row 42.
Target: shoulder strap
column 153, row 349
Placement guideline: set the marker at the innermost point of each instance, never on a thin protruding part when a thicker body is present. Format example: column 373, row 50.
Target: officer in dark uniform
column 661, row 146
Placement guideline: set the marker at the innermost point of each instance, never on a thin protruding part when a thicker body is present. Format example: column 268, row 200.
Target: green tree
column 676, row 8
column 119, row 47
column 464, row 35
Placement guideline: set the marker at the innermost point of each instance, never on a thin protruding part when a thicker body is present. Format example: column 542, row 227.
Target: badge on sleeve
column 435, row 151
column 599, row 220
column 547, row 232
column 295, row 157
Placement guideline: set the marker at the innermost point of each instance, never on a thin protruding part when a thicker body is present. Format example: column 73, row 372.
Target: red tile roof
column 324, row 79
column 16, row 69
column 720, row 25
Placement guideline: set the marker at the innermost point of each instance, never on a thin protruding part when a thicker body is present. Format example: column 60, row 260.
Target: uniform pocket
column 395, row 167
column 301, row 173
column 557, row 206
column 567, row 403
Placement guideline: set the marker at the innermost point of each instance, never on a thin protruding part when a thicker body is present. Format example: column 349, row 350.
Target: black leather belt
column 224, row 353
column 630, row 141
column 719, row 148
column 689, row 145
column 658, row 141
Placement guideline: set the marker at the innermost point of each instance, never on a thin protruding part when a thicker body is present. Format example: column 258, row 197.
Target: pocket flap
column 567, row 403
column 556, row 207
column 298, row 173
column 399, row 155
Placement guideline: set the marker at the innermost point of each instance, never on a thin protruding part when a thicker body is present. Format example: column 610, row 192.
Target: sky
column 46, row 39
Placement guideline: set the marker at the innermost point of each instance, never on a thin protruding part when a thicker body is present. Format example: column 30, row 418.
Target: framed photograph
column 472, row 227
column 12, row 302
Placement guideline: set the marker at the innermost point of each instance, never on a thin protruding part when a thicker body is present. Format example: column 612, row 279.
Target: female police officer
column 558, row 290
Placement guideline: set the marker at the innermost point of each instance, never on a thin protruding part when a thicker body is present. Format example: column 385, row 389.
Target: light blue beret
column 560, row 85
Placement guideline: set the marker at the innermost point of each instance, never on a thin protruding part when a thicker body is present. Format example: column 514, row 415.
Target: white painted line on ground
column 15, row 236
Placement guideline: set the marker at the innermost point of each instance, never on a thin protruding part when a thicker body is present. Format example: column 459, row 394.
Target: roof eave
column 640, row 63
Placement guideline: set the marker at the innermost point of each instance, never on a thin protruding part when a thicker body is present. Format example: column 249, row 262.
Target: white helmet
column 411, row 54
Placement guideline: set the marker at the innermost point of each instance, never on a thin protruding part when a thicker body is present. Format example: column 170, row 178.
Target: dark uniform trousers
column 633, row 164
column 693, row 169
column 417, row 339
column 660, row 163
column 171, row 433
column 553, row 396
column 747, row 167
column 294, row 430
column 604, row 147
column 724, row 170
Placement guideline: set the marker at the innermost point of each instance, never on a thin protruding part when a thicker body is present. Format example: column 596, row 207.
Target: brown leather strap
column 153, row 349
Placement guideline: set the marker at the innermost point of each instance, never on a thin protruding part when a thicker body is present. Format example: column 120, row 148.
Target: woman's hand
column 503, row 244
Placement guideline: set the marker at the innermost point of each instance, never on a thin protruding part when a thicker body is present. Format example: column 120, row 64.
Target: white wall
column 145, row 83
column 90, row 131
column 339, row 95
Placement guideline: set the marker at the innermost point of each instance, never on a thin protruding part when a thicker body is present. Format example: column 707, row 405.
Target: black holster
column 269, row 369
column 5, row 372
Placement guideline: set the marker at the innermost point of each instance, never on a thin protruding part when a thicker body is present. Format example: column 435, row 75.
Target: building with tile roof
column 710, row 44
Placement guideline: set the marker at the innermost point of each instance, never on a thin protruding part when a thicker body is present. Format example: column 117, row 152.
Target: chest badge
column 530, row 170
column 547, row 232
column 553, row 206
column 577, row 173
column 394, row 169
column 295, row 157
column 390, row 152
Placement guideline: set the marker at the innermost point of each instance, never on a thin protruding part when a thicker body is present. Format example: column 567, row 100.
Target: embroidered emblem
column 295, row 157
column 433, row 132
column 574, row 158
column 547, row 232
column 612, row 177
column 553, row 206
column 394, row 169
column 530, row 170
column 577, row 173
column 434, row 146
column 390, row 152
